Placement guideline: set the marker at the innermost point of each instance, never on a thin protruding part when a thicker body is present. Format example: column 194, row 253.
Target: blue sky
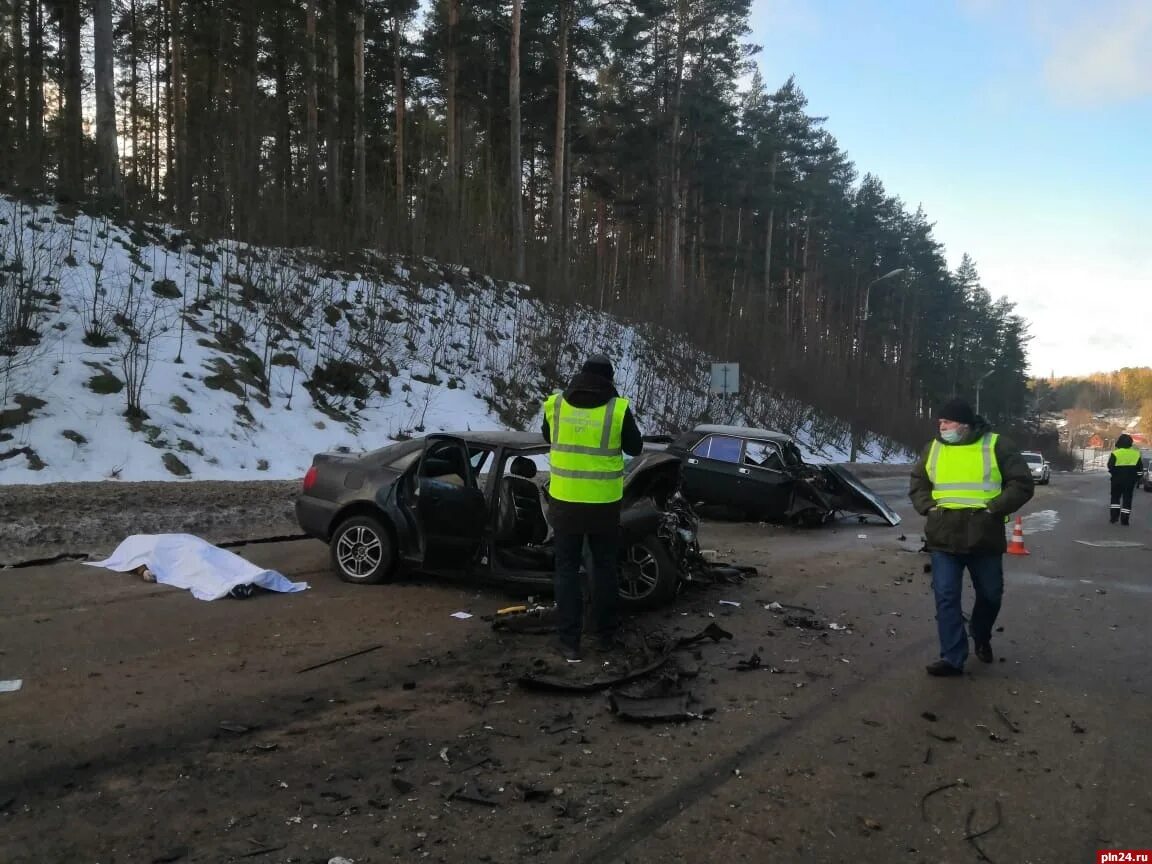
column 1024, row 127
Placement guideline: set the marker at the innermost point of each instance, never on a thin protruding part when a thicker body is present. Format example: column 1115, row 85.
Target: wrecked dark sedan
column 760, row 475
column 471, row 505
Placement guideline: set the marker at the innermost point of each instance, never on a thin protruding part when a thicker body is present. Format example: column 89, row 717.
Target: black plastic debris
column 476, row 795
column 929, row 716
column 1005, row 719
column 753, row 662
column 533, row 794
column 171, row 855
column 673, row 708
column 559, row 723
column 556, row 684
column 803, row 622
column 324, row 663
column 713, row 631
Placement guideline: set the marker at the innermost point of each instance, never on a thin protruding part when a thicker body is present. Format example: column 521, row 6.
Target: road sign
column 725, row 378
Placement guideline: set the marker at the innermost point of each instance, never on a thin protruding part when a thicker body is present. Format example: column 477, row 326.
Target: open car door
column 849, row 494
column 451, row 509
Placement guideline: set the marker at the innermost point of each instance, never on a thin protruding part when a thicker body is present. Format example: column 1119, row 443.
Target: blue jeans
column 569, row 587
column 987, row 570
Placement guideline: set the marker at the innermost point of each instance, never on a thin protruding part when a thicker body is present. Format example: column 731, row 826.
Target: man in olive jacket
column 967, row 483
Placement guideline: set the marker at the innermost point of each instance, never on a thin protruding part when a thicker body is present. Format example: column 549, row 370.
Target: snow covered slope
column 137, row 352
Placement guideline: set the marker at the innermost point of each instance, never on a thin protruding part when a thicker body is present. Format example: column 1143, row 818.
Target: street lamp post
column 855, row 442
column 979, row 384
column 868, row 290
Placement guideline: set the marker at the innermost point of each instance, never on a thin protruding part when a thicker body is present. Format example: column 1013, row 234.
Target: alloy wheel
column 640, row 573
column 359, row 551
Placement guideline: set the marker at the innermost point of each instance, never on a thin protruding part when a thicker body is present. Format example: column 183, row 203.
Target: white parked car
column 1041, row 471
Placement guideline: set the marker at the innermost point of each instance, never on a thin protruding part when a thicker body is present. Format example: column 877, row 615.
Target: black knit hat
column 598, row 364
column 959, row 411
column 1125, row 440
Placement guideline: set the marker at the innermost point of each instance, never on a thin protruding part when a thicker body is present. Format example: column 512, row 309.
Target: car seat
column 519, row 515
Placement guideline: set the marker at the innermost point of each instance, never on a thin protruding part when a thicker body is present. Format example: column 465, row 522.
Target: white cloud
column 1102, row 56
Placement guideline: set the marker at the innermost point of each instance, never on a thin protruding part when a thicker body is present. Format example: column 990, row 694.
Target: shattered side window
column 792, row 455
column 719, row 447
column 763, row 454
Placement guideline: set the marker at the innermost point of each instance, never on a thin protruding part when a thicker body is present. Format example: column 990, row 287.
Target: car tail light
column 310, row 478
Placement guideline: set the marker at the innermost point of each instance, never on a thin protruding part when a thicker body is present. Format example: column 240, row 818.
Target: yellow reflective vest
column 965, row 476
column 587, row 462
column 1126, row 457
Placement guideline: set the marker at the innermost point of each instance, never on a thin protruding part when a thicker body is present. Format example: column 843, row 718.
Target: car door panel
column 451, row 511
column 768, row 488
column 712, row 471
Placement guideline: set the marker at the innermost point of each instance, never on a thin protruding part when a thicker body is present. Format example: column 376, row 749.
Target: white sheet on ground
column 186, row 561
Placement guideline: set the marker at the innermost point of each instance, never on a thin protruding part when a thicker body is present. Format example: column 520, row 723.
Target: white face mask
column 952, row 436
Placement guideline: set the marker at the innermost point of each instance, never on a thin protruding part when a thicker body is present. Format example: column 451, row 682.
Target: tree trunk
column 245, row 180
column 34, row 162
column 674, row 198
column 398, row 86
column 163, row 97
column 768, row 233
column 451, row 121
column 283, row 127
column 134, row 98
column 71, row 151
column 516, row 175
column 19, row 88
column 311, row 112
column 332, row 118
column 558, row 174
column 360, row 187
column 179, row 116
column 107, row 163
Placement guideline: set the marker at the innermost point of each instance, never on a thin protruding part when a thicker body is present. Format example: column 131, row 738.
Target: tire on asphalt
column 362, row 551
column 648, row 575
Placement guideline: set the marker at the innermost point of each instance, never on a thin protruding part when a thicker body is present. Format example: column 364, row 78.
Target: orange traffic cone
column 1016, row 547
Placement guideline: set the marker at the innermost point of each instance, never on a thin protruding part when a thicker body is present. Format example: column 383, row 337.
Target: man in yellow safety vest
column 590, row 427
column 1124, row 466
column 967, row 482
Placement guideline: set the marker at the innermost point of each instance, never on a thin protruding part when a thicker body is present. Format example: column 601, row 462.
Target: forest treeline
column 615, row 153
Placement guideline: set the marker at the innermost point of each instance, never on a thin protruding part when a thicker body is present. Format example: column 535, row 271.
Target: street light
column 868, row 289
column 979, row 384
column 860, row 345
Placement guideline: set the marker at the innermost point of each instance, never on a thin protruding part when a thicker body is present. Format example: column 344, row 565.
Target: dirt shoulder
column 71, row 518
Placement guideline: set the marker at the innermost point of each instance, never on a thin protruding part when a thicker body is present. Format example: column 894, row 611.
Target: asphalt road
column 154, row 727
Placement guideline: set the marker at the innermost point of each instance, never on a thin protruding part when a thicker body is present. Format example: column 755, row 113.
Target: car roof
column 741, row 432
column 511, row 440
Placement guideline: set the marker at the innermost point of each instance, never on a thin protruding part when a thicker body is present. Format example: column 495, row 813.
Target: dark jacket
column 569, row 517
column 1124, row 475
column 964, row 531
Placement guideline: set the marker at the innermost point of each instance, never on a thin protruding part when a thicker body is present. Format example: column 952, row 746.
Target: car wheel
column 648, row 575
column 363, row 551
